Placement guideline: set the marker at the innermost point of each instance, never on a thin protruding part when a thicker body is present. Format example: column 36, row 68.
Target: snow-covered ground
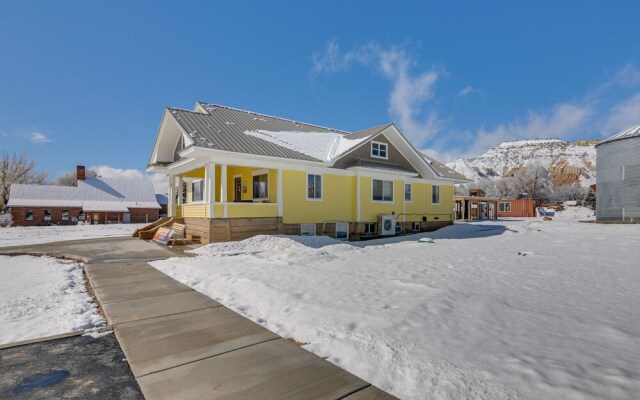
column 517, row 309
column 24, row 235
column 43, row 296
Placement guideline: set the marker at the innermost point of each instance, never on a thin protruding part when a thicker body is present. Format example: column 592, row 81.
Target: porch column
column 358, row 200
column 279, row 194
column 223, row 188
column 210, row 187
column 171, row 209
column 180, row 191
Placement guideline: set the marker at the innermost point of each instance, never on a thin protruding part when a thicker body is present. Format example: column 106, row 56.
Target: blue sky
column 86, row 82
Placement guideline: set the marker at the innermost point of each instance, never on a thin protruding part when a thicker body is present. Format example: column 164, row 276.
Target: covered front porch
column 226, row 191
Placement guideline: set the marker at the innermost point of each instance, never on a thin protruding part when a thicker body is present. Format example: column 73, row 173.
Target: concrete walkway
column 182, row 344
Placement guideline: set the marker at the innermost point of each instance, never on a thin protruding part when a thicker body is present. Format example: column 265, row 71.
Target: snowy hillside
column 567, row 162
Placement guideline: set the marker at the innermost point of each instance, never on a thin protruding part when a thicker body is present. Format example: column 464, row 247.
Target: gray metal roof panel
column 380, row 165
column 442, row 169
column 369, row 132
column 255, row 121
column 633, row 131
column 225, row 131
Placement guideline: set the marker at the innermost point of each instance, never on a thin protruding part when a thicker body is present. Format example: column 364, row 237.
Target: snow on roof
column 95, row 194
column 633, row 131
column 325, row 146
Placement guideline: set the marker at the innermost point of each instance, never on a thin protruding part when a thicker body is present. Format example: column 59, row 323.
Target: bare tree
column 532, row 180
column 572, row 192
column 17, row 168
column 70, row 179
column 461, row 190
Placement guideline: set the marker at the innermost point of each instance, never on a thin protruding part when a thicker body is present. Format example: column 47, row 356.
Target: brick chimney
column 80, row 173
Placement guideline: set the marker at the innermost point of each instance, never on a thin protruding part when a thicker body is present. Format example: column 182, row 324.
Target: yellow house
column 234, row 174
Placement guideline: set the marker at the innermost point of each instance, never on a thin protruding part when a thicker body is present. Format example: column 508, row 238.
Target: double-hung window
column 314, row 187
column 379, row 150
column 261, row 187
column 28, row 215
column 47, row 215
column 196, row 191
column 65, row 215
column 435, row 194
column 382, row 190
column 407, row 192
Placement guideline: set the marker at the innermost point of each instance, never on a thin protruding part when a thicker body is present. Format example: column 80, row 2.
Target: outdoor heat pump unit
column 387, row 225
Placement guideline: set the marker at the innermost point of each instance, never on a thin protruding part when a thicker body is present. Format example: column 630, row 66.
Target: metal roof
column 443, row 170
column 380, row 165
column 223, row 128
column 634, row 131
column 369, row 132
column 115, row 194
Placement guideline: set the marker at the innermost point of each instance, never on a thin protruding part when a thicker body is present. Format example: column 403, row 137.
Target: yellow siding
column 338, row 203
column 446, row 203
column 370, row 210
column 247, row 177
column 194, row 211
column 196, row 173
column 420, row 200
column 421, row 203
column 249, row 210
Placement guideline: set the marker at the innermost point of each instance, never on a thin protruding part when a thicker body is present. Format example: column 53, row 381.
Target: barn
column 92, row 200
column 618, row 177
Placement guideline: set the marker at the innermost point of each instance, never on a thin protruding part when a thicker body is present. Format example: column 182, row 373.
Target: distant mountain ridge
column 567, row 162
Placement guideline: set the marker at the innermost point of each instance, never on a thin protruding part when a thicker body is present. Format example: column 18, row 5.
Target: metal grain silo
column 618, row 177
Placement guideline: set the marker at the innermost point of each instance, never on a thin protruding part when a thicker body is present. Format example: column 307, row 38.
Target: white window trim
column 342, row 224
column 263, row 171
column 386, row 145
column 233, row 184
column 201, row 191
column 28, row 218
column 321, row 187
column 504, row 202
column 62, row 218
column 311, row 226
column 364, row 231
column 258, row 172
column 432, row 202
column 410, row 192
column 393, row 184
column 413, row 226
column 44, row 215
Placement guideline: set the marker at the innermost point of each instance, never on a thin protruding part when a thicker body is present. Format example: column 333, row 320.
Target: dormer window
column 379, row 150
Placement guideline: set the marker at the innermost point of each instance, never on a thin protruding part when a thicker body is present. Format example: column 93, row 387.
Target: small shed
column 474, row 208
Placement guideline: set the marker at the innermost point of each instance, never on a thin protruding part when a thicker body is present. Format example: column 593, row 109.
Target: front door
column 237, row 193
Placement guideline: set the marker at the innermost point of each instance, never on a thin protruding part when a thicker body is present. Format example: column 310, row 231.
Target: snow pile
column 325, row 146
column 25, row 235
column 517, row 309
column 574, row 213
column 43, row 296
column 261, row 243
